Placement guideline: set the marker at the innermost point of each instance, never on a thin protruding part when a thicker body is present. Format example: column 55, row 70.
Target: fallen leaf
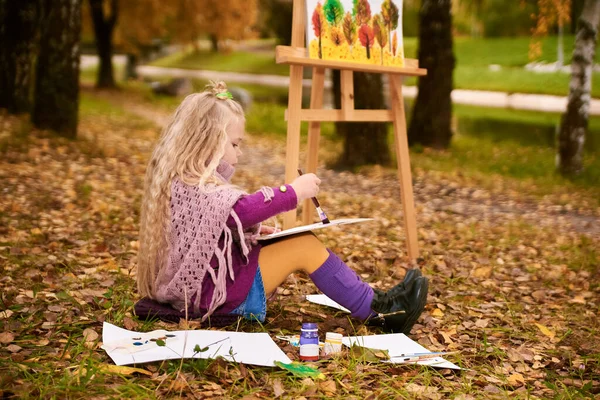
column 328, row 387
column 516, row 380
column 277, row 388
column 482, row 272
column 437, row 313
column 482, row 323
column 546, row 331
column 6, row 314
column 13, row 348
column 129, row 324
column 6, row 337
column 90, row 335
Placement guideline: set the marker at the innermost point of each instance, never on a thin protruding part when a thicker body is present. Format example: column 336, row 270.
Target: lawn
column 474, row 56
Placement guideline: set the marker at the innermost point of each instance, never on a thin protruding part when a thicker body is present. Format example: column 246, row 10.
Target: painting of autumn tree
column 364, row 31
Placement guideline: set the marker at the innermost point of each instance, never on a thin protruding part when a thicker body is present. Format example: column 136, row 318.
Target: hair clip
column 224, row 95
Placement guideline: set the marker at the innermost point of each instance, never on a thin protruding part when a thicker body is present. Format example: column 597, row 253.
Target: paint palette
column 142, row 342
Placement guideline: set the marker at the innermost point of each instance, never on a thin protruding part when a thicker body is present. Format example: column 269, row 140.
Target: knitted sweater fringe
column 198, row 220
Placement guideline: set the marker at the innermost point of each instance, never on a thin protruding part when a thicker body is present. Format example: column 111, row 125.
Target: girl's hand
column 306, row 186
column 267, row 230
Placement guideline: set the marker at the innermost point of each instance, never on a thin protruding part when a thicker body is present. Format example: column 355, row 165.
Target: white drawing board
column 313, row 227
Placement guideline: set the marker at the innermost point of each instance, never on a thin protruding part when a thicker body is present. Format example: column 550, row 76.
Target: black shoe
column 405, row 285
column 400, row 310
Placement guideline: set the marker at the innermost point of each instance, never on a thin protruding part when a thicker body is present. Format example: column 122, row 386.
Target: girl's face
column 235, row 134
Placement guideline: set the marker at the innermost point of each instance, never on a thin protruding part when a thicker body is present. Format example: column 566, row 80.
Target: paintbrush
column 320, row 211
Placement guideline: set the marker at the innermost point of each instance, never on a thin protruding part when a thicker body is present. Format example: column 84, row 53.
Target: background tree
column 432, row 112
column 364, row 142
column 18, row 28
column 57, row 74
column 221, row 20
column 550, row 13
column 130, row 26
column 574, row 122
column 275, row 19
column 104, row 14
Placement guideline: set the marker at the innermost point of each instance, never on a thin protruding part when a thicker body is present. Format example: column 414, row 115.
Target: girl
column 198, row 254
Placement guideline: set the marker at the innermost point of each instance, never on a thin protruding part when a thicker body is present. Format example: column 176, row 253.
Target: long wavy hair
column 189, row 148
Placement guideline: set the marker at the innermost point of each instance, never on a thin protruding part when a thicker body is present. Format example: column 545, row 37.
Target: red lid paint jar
column 309, row 342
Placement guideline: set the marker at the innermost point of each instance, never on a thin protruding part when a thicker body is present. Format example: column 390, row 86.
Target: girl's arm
column 253, row 209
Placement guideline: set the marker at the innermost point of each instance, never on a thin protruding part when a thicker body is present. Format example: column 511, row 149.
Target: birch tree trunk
column 574, row 122
column 18, row 31
column 430, row 124
column 57, row 75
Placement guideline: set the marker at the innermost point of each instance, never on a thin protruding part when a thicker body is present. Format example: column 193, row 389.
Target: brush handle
column 320, row 211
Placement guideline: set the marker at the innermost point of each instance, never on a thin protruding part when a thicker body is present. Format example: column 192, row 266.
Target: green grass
column 524, row 156
column 241, row 61
column 472, row 68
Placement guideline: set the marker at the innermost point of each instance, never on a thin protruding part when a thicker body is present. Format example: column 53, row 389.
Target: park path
column 264, row 163
column 517, row 101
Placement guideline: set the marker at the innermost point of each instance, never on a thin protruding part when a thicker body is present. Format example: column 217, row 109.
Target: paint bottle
column 309, row 342
column 333, row 343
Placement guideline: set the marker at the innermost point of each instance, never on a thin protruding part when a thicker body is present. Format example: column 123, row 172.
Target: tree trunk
column 364, row 142
column 574, row 122
column 214, row 43
column 432, row 111
column 103, row 33
column 57, row 74
column 560, row 52
column 18, row 31
column 131, row 66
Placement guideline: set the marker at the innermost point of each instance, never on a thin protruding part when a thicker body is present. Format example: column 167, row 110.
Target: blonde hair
column 190, row 149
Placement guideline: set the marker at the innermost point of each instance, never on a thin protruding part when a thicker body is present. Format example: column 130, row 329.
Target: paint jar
column 333, row 343
column 309, row 342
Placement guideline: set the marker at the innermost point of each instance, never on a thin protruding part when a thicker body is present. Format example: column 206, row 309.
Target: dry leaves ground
column 514, row 279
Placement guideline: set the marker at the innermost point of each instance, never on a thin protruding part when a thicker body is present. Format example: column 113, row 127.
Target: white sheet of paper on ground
column 325, row 301
column 397, row 344
column 247, row 348
column 314, row 227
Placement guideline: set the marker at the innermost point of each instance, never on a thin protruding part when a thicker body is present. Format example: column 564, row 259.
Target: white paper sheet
column 397, row 344
column 313, row 227
column 325, row 301
column 247, row 348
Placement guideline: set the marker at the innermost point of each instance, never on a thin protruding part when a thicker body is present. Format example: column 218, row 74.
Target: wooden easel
column 296, row 56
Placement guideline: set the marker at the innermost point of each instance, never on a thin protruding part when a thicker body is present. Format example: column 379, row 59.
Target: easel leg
column 314, row 134
column 293, row 135
column 404, row 174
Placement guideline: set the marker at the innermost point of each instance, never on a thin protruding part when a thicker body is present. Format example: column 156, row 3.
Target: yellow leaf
column 546, row 331
column 516, row 380
column 482, row 272
column 122, row 369
column 437, row 313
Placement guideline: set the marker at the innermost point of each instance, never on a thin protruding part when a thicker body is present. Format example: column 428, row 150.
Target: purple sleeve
column 252, row 209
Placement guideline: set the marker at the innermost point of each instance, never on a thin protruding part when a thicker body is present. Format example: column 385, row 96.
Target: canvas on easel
column 361, row 31
column 297, row 56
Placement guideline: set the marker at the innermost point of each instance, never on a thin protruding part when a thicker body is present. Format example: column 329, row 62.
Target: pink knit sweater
column 211, row 243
